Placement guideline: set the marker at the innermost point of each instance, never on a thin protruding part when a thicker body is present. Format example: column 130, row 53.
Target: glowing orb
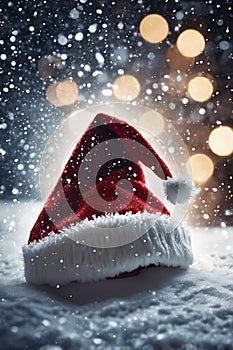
column 200, row 89
column 51, row 95
column 67, row 92
column 126, row 88
column 202, row 167
column 64, row 93
column 152, row 121
column 221, row 141
column 154, row 28
column 190, row 43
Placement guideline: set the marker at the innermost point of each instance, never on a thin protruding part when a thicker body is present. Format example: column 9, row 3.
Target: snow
column 160, row 308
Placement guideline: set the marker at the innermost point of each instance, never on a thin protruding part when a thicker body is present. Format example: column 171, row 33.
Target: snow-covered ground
column 160, row 308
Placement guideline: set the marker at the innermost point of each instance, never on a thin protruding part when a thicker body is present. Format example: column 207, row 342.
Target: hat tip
column 179, row 190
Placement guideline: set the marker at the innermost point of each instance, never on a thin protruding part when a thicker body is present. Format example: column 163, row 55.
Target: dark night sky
column 31, row 30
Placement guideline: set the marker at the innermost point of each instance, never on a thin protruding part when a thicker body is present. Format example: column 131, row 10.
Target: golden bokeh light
column 176, row 61
column 152, row 121
column 221, row 141
column 202, row 167
column 126, row 88
column 190, row 43
column 154, row 28
column 63, row 93
column 51, row 95
column 200, row 88
column 67, row 92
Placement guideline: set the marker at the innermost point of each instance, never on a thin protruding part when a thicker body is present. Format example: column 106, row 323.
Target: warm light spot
column 67, row 92
column 177, row 61
column 154, row 28
column 200, row 89
column 62, row 94
column 126, row 88
column 51, row 95
column 190, row 43
column 152, row 121
column 221, row 141
column 202, row 167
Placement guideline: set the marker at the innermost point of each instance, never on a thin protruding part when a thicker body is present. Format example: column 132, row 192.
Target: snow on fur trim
column 59, row 259
column 179, row 190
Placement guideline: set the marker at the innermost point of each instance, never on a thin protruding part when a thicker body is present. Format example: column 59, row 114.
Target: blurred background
column 173, row 57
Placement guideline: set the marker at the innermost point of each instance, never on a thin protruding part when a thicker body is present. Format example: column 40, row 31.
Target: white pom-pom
column 179, row 190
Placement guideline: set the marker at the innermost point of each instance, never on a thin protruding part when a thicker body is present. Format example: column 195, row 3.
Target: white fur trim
column 179, row 190
column 59, row 259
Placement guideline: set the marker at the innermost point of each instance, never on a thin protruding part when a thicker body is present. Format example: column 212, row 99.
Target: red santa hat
column 101, row 220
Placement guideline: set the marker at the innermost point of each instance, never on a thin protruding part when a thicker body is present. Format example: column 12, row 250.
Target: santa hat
column 101, row 220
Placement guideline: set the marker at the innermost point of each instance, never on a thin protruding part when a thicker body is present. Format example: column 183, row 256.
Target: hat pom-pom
column 179, row 190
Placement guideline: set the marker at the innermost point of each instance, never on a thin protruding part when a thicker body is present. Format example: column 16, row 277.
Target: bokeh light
column 153, row 121
column 154, row 28
column 126, row 88
column 67, row 92
column 51, row 95
column 190, row 43
column 176, row 61
column 202, row 167
column 221, row 141
column 64, row 93
column 200, row 88
column 49, row 66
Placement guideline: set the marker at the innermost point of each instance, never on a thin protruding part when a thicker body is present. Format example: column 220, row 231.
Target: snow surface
column 160, row 308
